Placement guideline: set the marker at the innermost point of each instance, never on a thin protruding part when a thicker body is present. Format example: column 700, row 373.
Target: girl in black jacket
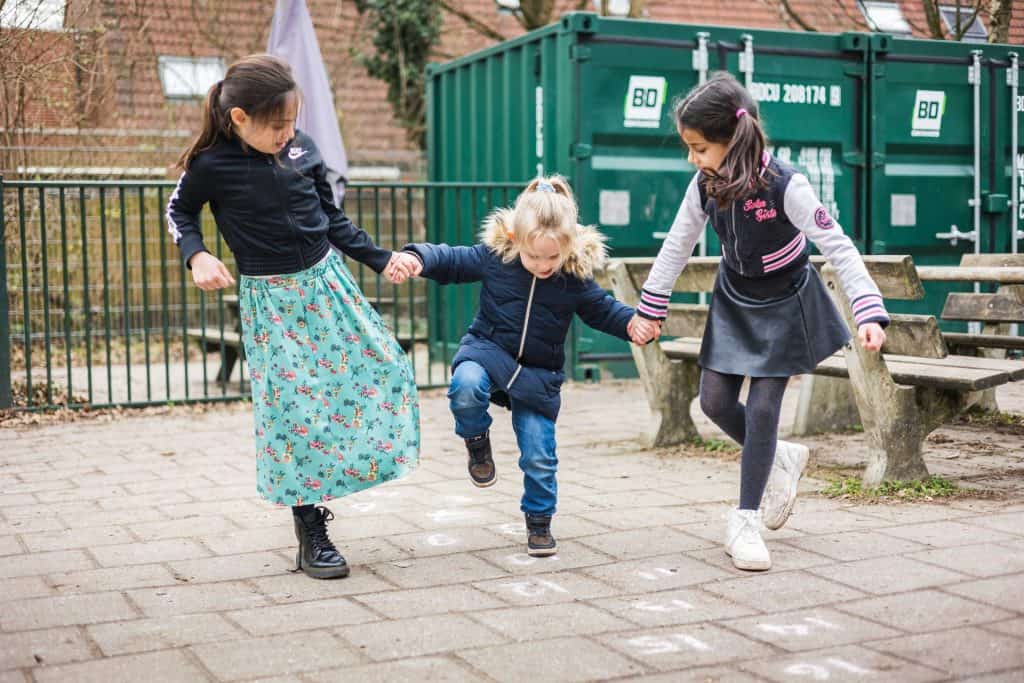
column 334, row 396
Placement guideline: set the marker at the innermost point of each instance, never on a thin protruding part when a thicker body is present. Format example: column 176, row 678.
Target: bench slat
column 211, row 336
column 910, row 371
column 992, row 260
column 685, row 320
column 1008, row 275
column 985, row 341
column 914, row 335
column 698, row 275
column 987, row 307
column 1014, row 369
column 895, row 276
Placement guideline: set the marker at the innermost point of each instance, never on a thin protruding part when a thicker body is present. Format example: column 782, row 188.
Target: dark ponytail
column 260, row 85
column 723, row 111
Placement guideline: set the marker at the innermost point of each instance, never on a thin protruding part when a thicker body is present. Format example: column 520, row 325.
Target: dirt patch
column 11, row 419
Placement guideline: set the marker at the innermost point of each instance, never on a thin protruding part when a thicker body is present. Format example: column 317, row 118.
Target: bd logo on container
column 645, row 96
column 928, row 108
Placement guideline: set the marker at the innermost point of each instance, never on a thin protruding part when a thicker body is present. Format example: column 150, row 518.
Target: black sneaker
column 539, row 541
column 481, row 464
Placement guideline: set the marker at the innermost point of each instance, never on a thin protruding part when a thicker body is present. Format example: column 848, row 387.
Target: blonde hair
column 546, row 208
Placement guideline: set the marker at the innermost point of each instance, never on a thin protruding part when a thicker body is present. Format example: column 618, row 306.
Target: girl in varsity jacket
column 770, row 315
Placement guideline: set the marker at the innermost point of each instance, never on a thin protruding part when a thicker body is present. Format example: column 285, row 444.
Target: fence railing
column 97, row 309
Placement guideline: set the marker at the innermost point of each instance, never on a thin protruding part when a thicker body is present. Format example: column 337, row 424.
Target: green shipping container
column 944, row 121
column 591, row 97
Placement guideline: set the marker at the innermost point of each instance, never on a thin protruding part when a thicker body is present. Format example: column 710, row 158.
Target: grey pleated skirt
column 778, row 337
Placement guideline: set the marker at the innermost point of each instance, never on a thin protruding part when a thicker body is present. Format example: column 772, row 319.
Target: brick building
column 111, row 85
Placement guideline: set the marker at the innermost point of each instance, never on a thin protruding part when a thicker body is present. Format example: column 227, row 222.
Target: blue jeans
column 469, row 399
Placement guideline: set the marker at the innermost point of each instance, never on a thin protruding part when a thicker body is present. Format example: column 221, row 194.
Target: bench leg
column 671, row 387
column 896, row 425
column 227, row 363
column 826, row 405
column 987, row 403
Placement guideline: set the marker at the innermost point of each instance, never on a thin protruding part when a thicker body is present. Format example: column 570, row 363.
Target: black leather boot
column 317, row 556
column 539, row 541
column 481, row 462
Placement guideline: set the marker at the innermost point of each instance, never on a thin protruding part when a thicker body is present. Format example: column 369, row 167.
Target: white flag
column 293, row 39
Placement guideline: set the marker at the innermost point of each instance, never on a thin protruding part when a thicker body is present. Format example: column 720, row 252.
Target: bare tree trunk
column 636, row 8
column 1000, row 12
column 933, row 19
column 535, row 13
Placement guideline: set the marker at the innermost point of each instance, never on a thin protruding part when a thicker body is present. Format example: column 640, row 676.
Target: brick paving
column 138, row 550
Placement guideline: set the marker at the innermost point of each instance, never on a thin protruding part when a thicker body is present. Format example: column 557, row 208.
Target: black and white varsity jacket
column 765, row 237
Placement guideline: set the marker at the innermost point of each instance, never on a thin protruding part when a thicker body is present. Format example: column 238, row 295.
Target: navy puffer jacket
column 519, row 332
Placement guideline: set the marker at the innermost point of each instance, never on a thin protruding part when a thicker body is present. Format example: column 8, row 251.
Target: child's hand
column 209, row 272
column 641, row 330
column 871, row 336
column 402, row 266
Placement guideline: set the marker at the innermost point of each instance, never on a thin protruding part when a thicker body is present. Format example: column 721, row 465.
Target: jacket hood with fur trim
column 589, row 253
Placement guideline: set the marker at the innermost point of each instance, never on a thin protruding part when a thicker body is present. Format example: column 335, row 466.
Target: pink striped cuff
column 873, row 313
column 865, row 300
column 650, row 313
column 655, row 298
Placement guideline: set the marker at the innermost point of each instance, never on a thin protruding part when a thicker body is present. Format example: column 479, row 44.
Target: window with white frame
column 189, row 77
column 885, row 17
column 975, row 33
column 45, row 15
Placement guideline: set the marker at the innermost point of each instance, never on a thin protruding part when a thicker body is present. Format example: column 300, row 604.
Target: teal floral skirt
column 334, row 395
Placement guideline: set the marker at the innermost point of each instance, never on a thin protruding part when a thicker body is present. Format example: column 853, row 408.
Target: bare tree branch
column 796, row 17
column 963, row 27
column 856, row 19
column 471, row 21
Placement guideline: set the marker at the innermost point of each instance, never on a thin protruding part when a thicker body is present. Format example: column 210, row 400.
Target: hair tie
column 544, row 186
column 740, row 113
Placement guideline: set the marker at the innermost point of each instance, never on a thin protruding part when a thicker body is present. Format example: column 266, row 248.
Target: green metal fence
column 97, row 309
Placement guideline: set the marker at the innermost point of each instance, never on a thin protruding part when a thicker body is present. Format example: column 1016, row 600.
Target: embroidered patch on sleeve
column 822, row 219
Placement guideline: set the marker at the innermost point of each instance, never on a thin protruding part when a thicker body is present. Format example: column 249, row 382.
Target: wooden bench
column 227, row 343
column 901, row 395
column 999, row 314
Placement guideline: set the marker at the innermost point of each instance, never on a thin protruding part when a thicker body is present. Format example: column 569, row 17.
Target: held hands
column 402, row 266
column 641, row 330
column 871, row 336
column 209, row 272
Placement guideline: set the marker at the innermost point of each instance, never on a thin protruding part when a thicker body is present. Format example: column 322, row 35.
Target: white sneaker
column 780, row 493
column 743, row 542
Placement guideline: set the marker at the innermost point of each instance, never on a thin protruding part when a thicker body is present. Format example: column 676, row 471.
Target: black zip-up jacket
column 277, row 215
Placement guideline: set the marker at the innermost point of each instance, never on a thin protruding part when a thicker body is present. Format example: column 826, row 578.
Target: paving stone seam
column 501, row 640
column 970, row 577
column 839, row 606
column 989, row 624
column 874, row 645
column 1017, row 611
